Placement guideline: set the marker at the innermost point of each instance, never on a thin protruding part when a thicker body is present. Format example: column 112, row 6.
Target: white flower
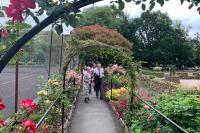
column 42, row 93
column 47, row 101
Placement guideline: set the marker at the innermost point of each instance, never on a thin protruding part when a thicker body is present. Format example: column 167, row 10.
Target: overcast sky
column 175, row 10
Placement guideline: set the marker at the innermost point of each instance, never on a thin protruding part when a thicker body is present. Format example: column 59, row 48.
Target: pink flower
column 2, row 123
column 4, row 33
column 144, row 94
column 29, row 104
column 2, row 105
column 16, row 8
column 147, row 107
column 30, row 126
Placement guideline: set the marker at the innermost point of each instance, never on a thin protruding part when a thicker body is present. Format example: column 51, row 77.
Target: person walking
column 98, row 78
column 93, row 76
column 86, row 84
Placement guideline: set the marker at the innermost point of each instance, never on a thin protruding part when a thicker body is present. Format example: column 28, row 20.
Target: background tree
column 156, row 38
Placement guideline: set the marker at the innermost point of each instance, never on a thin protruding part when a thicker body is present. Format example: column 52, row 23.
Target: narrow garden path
column 93, row 117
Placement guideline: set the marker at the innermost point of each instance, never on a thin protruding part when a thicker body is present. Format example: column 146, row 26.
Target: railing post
column 16, row 84
column 61, row 51
column 74, row 84
column 50, row 50
column 111, row 87
column 63, row 105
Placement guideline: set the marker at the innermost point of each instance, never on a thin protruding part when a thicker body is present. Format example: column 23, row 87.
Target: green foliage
column 182, row 108
column 160, row 40
column 105, row 56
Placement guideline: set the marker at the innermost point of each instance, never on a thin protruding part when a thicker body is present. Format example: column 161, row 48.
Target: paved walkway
column 93, row 117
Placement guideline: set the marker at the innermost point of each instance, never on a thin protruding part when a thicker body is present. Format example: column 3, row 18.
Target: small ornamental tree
column 104, row 35
column 101, row 34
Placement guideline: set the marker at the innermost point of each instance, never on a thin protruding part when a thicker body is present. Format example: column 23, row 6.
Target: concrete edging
column 70, row 113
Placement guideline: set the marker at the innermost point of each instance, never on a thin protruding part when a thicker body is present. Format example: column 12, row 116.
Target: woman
column 86, row 84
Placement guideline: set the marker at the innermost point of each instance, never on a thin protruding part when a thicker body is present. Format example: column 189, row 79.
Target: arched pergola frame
column 72, row 51
column 65, row 10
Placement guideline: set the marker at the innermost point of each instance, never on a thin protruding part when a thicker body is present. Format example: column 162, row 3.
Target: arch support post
column 63, row 105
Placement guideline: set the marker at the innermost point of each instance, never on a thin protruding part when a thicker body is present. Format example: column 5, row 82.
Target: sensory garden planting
column 30, row 112
column 179, row 104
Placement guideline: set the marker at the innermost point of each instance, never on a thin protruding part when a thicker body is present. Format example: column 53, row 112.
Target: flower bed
column 118, row 104
column 30, row 112
column 157, row 87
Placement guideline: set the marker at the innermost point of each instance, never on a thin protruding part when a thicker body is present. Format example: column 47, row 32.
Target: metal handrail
column 154, row 109
column 47, row 112
column 161, row 114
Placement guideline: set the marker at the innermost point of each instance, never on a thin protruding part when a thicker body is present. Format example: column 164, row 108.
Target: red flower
column 30, row 126
column 16, row 8
column 154, row 103
column 198, row 96
column 2, row 106
column 29, row 104
column 2, row 123
column 4, row 33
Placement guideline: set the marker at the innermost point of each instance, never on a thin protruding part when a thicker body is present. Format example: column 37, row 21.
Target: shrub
column 181, row 107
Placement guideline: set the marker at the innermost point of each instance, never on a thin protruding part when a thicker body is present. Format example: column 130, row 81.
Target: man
column 98, row 75
column 93, row 76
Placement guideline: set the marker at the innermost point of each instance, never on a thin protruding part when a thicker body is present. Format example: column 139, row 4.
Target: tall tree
column 160, row 40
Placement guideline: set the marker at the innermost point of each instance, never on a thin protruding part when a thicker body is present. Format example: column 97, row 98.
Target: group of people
column 92, row 79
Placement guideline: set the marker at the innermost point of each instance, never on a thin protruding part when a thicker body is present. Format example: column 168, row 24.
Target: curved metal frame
column 50, row 19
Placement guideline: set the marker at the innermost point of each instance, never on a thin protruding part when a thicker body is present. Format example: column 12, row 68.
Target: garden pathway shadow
column 93, row 117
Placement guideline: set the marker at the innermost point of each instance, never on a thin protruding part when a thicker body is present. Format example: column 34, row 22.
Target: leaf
column 2, row 47
column 121, row 4
column 191, row 5
column 152, row 6
column 2, row 14
column 182, row 1
column 59, row 29
column 138, row 2
column 128, row 0
column 35, row 19
column 161, row 2
column 143, row 6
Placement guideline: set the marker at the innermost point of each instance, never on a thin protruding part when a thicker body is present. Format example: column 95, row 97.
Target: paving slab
column 93, row 117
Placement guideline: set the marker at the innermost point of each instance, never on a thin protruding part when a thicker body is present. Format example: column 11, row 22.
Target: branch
column 30, row 34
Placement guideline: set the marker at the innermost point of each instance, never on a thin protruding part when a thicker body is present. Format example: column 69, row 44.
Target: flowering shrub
column 2, row 105
column 28, row 106
column 120, row 106
column 73, row 75
column 17, row 7
column 116, row 69
column 101, row 34
column 182, row 108
column 116, row 94
column 119, row 100
column 27, row 126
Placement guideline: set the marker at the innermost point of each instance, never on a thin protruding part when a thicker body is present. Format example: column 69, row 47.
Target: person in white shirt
column 92, row 75
column 98, row 76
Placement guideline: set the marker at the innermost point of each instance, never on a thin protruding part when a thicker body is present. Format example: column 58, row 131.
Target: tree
column 103, row 15
column 101, row 34
column 160, row 40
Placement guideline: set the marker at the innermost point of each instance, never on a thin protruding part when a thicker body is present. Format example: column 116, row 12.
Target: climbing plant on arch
column 96, row 37
column 61, row 11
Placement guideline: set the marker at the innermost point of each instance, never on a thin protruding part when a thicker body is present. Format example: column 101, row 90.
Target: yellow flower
column 50, row 81
column 47, row 101
column 42, row 93
column 56, row 83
